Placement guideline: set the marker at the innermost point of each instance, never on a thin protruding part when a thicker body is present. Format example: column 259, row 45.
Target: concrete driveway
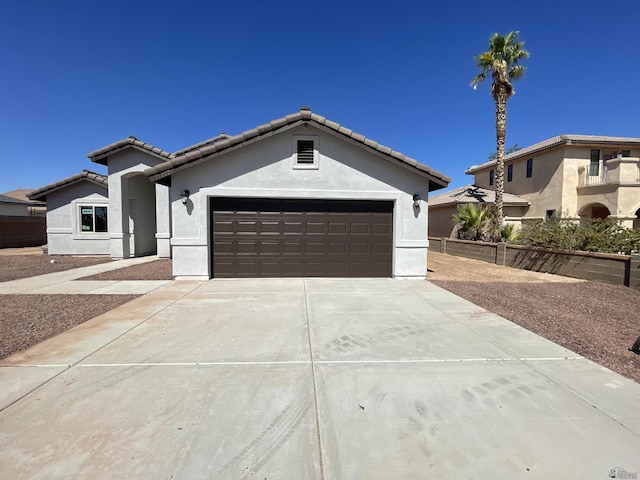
column 310, row 379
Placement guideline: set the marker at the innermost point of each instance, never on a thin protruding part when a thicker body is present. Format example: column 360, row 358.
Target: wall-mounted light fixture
column 416, row 200
column 184, row 196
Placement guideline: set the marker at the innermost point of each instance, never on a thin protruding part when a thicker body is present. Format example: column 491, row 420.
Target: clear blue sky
column 79, row 75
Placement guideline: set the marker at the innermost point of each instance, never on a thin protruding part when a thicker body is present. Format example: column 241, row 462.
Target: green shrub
column 604, row 236
column 475, row 222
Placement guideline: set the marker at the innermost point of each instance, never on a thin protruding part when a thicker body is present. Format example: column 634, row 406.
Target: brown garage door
column 301, row 238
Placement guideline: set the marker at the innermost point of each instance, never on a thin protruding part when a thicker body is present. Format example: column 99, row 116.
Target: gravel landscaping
column 29, row 319
column 596, row 320
column 156, row 270
column 14, row 267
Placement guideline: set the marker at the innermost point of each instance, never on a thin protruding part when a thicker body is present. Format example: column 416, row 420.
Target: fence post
column 443, row 245
column 634, row 272
column 501, row 253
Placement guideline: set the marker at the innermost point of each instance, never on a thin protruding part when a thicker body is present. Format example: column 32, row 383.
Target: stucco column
column 163, row 221
column 117, row 245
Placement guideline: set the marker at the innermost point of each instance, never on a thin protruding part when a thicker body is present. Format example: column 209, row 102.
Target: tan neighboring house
column 582, row 176
column 35, row 208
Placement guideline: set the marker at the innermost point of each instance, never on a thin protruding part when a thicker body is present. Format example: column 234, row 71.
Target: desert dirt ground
column 597, row 320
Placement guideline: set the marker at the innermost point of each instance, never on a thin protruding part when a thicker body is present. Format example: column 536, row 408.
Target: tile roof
column 100, row 156
column 7, row 199
column 92, row 177
column 474, row 194
column 224, row 142
column 21, row 194
column 559, row 140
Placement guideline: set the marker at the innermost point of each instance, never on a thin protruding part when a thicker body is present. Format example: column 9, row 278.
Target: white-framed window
column 92, row 219
column 305, row 152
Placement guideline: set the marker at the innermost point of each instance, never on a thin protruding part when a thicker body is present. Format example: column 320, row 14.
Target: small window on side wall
column 549, row 214
column 509, row 173
column 491, row 177
column 530, row 168
column 93, row 219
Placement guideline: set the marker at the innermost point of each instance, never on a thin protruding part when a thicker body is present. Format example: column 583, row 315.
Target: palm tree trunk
column 501, row 134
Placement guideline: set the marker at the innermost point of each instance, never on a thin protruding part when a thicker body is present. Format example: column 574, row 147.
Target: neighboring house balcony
column 610, row 188
column 616, row 171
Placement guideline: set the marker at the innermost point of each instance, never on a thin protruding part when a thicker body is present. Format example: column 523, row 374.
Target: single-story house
column 77, row 214
column 442, row 207
column 35, row 208
column 298, row 196
column 13, row 207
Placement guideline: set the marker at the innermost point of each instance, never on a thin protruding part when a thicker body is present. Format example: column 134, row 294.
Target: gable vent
column 305, row 151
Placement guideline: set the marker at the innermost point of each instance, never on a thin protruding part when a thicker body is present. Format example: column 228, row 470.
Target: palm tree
column 472, row 222
column 501, row 60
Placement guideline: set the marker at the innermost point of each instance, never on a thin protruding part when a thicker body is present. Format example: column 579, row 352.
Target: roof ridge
column 304, row 115
column 552, row 142
column 99, row 156
column 93, row 177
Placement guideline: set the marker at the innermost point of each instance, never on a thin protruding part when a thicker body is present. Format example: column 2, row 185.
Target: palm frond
column 505, row 51
column 517, row 72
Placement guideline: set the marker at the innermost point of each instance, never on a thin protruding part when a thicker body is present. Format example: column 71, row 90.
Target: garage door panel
column 267, row 227
column 269, row 247
column 289, row 227
column 337, row 228
column 291, row 248
column 360, row 229
column 338, row 248
column 315, row 248
column 272, row 238
column 380, row 249
column 381, row 229
column 316, row 228
column 360, row 249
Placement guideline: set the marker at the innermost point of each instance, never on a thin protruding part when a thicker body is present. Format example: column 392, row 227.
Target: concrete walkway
column 67, row 281
column 310, row 379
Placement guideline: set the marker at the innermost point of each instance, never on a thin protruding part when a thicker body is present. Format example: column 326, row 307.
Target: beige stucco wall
column 556, row 183
column 544, row 189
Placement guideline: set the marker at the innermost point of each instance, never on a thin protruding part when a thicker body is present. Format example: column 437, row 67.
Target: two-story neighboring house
column 582, row 176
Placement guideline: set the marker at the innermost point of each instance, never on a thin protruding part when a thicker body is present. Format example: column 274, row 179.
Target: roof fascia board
column 441, row 183
column 103, row 159
column 563, row 140
column 169, row 169
column 156, row 175
column 49, row 191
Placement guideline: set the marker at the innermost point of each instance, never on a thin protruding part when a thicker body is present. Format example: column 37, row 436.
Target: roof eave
column 101, row 155
column 95, row 178
column 437, row 180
